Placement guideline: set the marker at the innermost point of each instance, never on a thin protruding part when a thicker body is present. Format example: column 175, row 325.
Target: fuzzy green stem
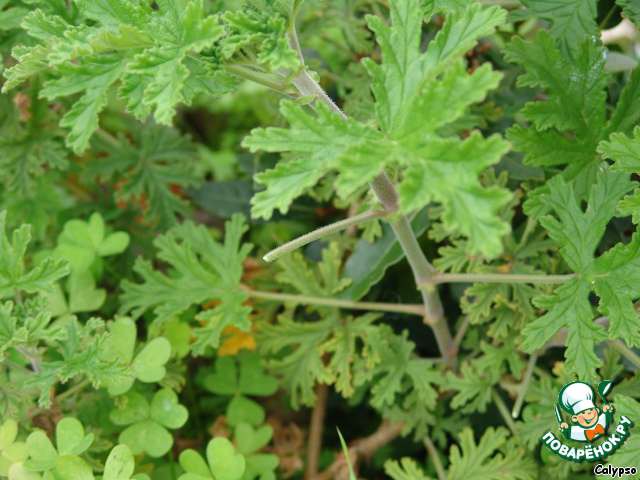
column 257, row 77
column 626, row 352
column 73, row 390
column 409, row 309
column 524, row 386
column 504, row 411
column 423, row 271
column 495, row 278
column 321, row 233
column 435, row 459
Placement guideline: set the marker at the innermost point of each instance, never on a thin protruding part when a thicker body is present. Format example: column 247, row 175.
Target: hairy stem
column 504, row 411
column 258, row 77
column 626, row 352
column 435, row 459
column 386, row 193
column 457, row 340
column 524, row 386
column 314, row 444
column 496, row 278
column 321, row 233
column 73, row 390
column 410, row 309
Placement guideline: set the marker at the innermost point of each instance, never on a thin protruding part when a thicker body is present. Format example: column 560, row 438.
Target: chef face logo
column 585, row 416
column 588, row 420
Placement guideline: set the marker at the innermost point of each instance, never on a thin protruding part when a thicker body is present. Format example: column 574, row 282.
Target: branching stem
column 321, row 233
column 386, row 193
column 258, row 77
column 410, row 309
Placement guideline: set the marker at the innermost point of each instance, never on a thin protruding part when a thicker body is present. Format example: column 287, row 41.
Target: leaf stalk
column 321, row 233
column 409, row 309
column 496, row 278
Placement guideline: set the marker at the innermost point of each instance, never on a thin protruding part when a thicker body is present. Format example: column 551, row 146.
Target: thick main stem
column 314, row 444
column 388, row 197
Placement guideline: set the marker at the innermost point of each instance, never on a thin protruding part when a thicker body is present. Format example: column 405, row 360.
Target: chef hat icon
column 576, row 397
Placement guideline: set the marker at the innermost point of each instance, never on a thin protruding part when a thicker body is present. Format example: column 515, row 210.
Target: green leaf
column 148, row 423
column 263, row 31
column 631, row 10
column 147, row 436
column 469, row 208
column 148, row 366
column 573, row 20
column 14, row 276
column 405, row 469
column 325, row 280
column 249, row 440
column 119, row 464
column 331, row 141
column 414, row 93
column 149, row 163
column 94, row 77
column 473, row 388
column 406, row 72
column 70, row 437
column 201, row 270
column 42, row 454
column 626, row 115
column 578, row 233
column 166, row 410
column 369, row 261
column 223, row 460
column 303, row 365
column 244, row 410
column 81, row 243
column 153, row 53
column 72, row 467
column 565, row 78
column 471, row 461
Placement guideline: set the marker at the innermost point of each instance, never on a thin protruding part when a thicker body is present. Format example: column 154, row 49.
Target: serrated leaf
column 471, row 461
column 573, row 20
column 578, row 233
column 202, row 270
column 14, row 276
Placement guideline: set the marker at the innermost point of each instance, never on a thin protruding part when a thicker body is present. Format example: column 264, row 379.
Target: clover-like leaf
column 81, row 243
column 63, row 461
column 250, row 441
column 241, row 376
column 224, row 463
column 11, row 451
column 148, row 366
column 148, row 423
